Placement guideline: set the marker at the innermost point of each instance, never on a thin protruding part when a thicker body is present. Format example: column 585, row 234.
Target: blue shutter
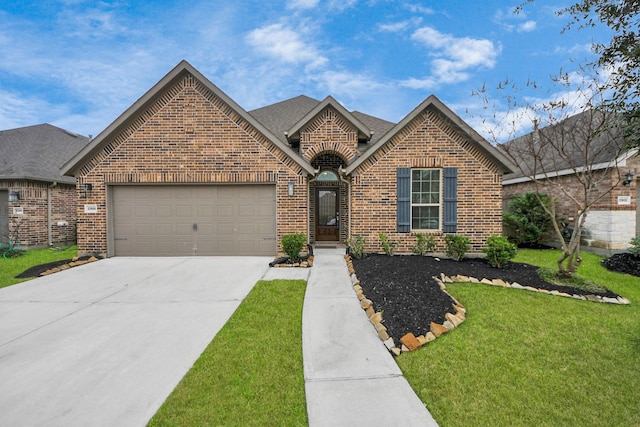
column 450, row 200
column 404, row 200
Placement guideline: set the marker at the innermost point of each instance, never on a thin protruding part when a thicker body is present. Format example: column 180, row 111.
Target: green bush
column 499, row 251
column 292, row 245
column 526, row 220
column 388, row 245
column 635, row 246
column 356, row 246
column 425, row 243
column 457, row 246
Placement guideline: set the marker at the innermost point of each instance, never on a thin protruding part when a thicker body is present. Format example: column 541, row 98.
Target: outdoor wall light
column 290, row 189
column 14, row 196
column 628, row 178
column 85, row 189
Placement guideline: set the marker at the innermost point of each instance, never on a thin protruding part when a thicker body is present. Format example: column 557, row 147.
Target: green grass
column 251, row 374
column 11, row 267
column 525, row 359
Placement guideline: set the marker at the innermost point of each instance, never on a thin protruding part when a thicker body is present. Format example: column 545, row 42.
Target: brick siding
column 188, row 136
column 567, row 208
column 31, row 227
column 428, row 141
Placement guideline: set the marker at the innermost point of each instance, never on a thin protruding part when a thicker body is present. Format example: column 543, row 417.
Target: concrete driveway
column 105, row 343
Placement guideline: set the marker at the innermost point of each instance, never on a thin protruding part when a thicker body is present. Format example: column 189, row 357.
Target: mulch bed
column 402, row 287
column 623, row 263
column 39, row 269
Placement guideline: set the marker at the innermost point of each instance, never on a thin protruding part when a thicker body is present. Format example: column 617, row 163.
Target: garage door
column 194, row 220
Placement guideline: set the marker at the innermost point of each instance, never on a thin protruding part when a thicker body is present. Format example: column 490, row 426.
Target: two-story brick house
column 187, row 171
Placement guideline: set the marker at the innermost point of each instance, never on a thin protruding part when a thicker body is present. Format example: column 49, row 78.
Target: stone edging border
column 74, row 263
column 410, row 342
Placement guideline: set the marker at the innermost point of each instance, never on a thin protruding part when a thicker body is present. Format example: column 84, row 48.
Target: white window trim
column 440, row 205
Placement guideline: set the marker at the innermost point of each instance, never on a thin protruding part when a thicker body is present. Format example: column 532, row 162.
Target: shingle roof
column 38, row 152
column 572, row 136
column 281, row 116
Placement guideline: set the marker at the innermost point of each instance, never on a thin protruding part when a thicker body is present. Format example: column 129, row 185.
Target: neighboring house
column 615, row 219
column 187, row 171
column 37, row 203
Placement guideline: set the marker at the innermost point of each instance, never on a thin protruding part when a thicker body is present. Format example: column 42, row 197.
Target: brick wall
column 427, row 142
column 31, row 227
column 600, row 231
column 189, row 136
column 329, row 131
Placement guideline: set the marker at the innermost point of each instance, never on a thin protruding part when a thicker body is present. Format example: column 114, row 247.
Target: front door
column 327, row 215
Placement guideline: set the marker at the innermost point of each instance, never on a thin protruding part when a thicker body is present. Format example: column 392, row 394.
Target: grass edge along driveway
column 252, row 372
column 11, row 267
column 524, row 358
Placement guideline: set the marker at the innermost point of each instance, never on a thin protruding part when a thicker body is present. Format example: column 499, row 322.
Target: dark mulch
column 402, row 287
column 623, row 263
column 39, row 269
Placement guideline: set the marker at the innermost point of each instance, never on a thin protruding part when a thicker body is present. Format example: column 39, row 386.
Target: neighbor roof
column 37, row 153
column 606, row 149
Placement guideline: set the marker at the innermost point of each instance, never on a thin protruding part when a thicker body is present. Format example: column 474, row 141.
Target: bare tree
column 571, row 155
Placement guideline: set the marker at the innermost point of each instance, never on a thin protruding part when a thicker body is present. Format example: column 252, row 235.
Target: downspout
column 49, row 214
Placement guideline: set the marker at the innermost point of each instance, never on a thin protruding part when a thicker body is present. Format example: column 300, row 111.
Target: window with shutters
column 426, row 199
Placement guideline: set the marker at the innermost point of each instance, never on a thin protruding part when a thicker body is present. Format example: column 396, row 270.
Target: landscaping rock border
column 76, row 261
column 409, row 342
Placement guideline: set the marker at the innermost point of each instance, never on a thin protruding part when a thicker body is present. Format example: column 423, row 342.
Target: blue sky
column 79, row 64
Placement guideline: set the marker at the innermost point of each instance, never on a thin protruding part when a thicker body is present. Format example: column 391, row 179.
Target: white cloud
column 397, row 27
column 418, row 8
column 285, row 44
column 302, row 4
column 527, row 27
column 455, row 57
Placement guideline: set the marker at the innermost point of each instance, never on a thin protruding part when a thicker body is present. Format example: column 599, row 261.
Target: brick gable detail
column 188, row 135
column 428, row 141
column 329, row 131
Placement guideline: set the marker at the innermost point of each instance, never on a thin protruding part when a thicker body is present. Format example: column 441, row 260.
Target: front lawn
column 11, row 267
column 251, row 374
column 524, row 358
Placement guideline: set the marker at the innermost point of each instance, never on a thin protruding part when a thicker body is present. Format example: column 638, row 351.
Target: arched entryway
column 329, row 200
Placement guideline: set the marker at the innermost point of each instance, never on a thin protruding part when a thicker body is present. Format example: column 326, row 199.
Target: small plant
column 356, row 246
column 457, row 246
column 425, row 243
column 635, row 246
column 292, row 245
column 388, row 244
column 499, row 251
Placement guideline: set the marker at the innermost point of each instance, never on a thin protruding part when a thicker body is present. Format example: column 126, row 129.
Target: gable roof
column 606, row 149
column 282, row 116
column 497, row 157
column 151, row 96
column 36, row 153
column 363, row 131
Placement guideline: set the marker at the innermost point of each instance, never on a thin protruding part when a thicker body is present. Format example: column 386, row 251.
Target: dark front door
column 327, row 215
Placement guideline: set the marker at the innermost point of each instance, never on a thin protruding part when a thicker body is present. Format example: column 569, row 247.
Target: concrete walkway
column 351, row 378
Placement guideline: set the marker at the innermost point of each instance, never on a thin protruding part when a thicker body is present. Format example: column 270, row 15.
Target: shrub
column 356, row 246
column 292, row 245
column 457, row 246
column 526, row 220
column 425, row 243
column 499, row 251
column 635, row 246
column 388, row 245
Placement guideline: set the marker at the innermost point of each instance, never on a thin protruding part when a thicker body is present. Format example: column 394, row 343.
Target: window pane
column 425, row 217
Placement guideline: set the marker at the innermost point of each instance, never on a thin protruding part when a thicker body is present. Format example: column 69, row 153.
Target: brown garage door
column 194, row 220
